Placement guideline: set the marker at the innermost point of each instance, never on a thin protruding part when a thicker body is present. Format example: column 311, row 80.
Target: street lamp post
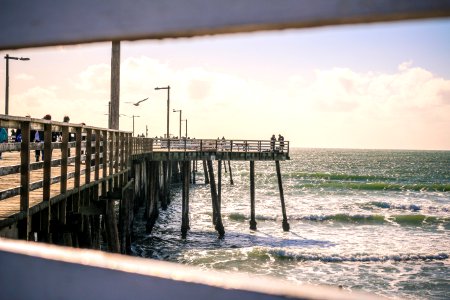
column 7, row 57
column 186, row 127
column 168, row 107
column 133, row 122
column 180, row 111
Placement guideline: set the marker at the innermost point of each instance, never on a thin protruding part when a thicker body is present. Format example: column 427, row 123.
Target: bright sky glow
column 367, row 86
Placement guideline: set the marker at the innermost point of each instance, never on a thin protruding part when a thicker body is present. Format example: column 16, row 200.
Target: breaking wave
column 411, row 220
column 286, row 254
column 372, row 186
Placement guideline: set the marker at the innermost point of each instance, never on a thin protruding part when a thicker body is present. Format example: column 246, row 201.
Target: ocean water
column 371, row 220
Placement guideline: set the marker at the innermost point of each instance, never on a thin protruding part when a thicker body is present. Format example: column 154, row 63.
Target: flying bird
column 137, row 103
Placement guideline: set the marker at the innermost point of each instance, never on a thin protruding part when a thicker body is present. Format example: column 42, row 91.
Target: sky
column 370, row 86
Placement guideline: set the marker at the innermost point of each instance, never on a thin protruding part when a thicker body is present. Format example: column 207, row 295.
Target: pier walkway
column 89, row 167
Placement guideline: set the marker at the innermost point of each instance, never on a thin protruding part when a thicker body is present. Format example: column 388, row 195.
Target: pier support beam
column 194, row 170
column 205, row 172
column 112, row 233
column 217, row 218
column 280, row 186
column 252, row 195
column 185, row 199
column 165, row 186
column 219, row 185
column 231, row 174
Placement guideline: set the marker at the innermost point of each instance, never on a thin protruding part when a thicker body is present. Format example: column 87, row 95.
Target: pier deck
column 28, row 187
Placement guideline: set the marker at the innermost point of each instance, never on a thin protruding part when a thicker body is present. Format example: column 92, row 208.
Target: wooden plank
column 64, row 156
column 88, row 154
column 97, row 155
column 47, row 22
column 25, row 225
column 116, row 158
column 104, row 161
column 47, row 161
column 24, row 167
column 63, row 180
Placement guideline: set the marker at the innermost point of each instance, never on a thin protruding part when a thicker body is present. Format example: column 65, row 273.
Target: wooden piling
column 217, row 218
column 205, row 172
column 194, row 170
column 280, row 187
column 231, row 174
column 185, row 199
column 252, row 195
column 125, row 221
column 111, row 226
column 219, row 183
column 164, row 201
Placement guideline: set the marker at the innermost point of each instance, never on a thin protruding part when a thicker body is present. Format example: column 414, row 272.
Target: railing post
column 25, row 224
column 97, row 155
column 122, row 157
column 78, row 140
column 47, row 161
column 87, row 174
column 63, row 183
column 201, row 145
column 116, row 164
column 231, row 145
column 111, row 159
column 104, row 160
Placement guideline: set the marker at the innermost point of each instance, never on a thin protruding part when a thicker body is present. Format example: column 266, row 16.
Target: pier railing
column 66, row 157
column 144, row 145
column 75, row 155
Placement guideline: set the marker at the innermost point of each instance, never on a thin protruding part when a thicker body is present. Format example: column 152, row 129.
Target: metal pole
column 7, row 85
column 133, row 125
column 180, row 123
column 186, row 128
column 168, row 107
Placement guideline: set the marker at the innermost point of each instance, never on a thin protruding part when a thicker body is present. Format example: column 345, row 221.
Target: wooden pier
column 69, row 197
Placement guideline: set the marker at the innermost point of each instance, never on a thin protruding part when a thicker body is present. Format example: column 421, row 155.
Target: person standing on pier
column 272, row 142
column 281, row 140
column 3, row 137
column 66, row 119
column 38, row 137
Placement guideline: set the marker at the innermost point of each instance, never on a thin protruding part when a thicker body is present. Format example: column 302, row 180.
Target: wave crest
column 285, row 254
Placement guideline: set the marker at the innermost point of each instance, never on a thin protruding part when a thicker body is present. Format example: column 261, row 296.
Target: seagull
column 137, row 103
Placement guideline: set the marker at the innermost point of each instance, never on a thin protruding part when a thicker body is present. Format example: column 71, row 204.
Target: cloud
column 333, row 107
column 95, row 79
column 24, row 76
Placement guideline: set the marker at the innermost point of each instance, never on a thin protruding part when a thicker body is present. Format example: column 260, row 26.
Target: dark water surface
column 371, row 220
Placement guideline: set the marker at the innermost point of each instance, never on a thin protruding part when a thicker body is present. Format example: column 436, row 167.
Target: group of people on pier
column 273, row 139
column 36, row 136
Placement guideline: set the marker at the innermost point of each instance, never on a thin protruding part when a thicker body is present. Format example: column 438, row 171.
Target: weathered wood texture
column 252, row 196
column 47, row 22
column 280, row 187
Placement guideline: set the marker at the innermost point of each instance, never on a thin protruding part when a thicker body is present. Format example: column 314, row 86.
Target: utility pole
column 115, row 85
column 7, row 58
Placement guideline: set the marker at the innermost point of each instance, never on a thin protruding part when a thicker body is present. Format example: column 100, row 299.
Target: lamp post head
column 163, row 88
column 16, row 58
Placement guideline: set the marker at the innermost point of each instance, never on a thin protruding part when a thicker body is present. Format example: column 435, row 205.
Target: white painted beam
column 32, row 270
column 29, row 23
